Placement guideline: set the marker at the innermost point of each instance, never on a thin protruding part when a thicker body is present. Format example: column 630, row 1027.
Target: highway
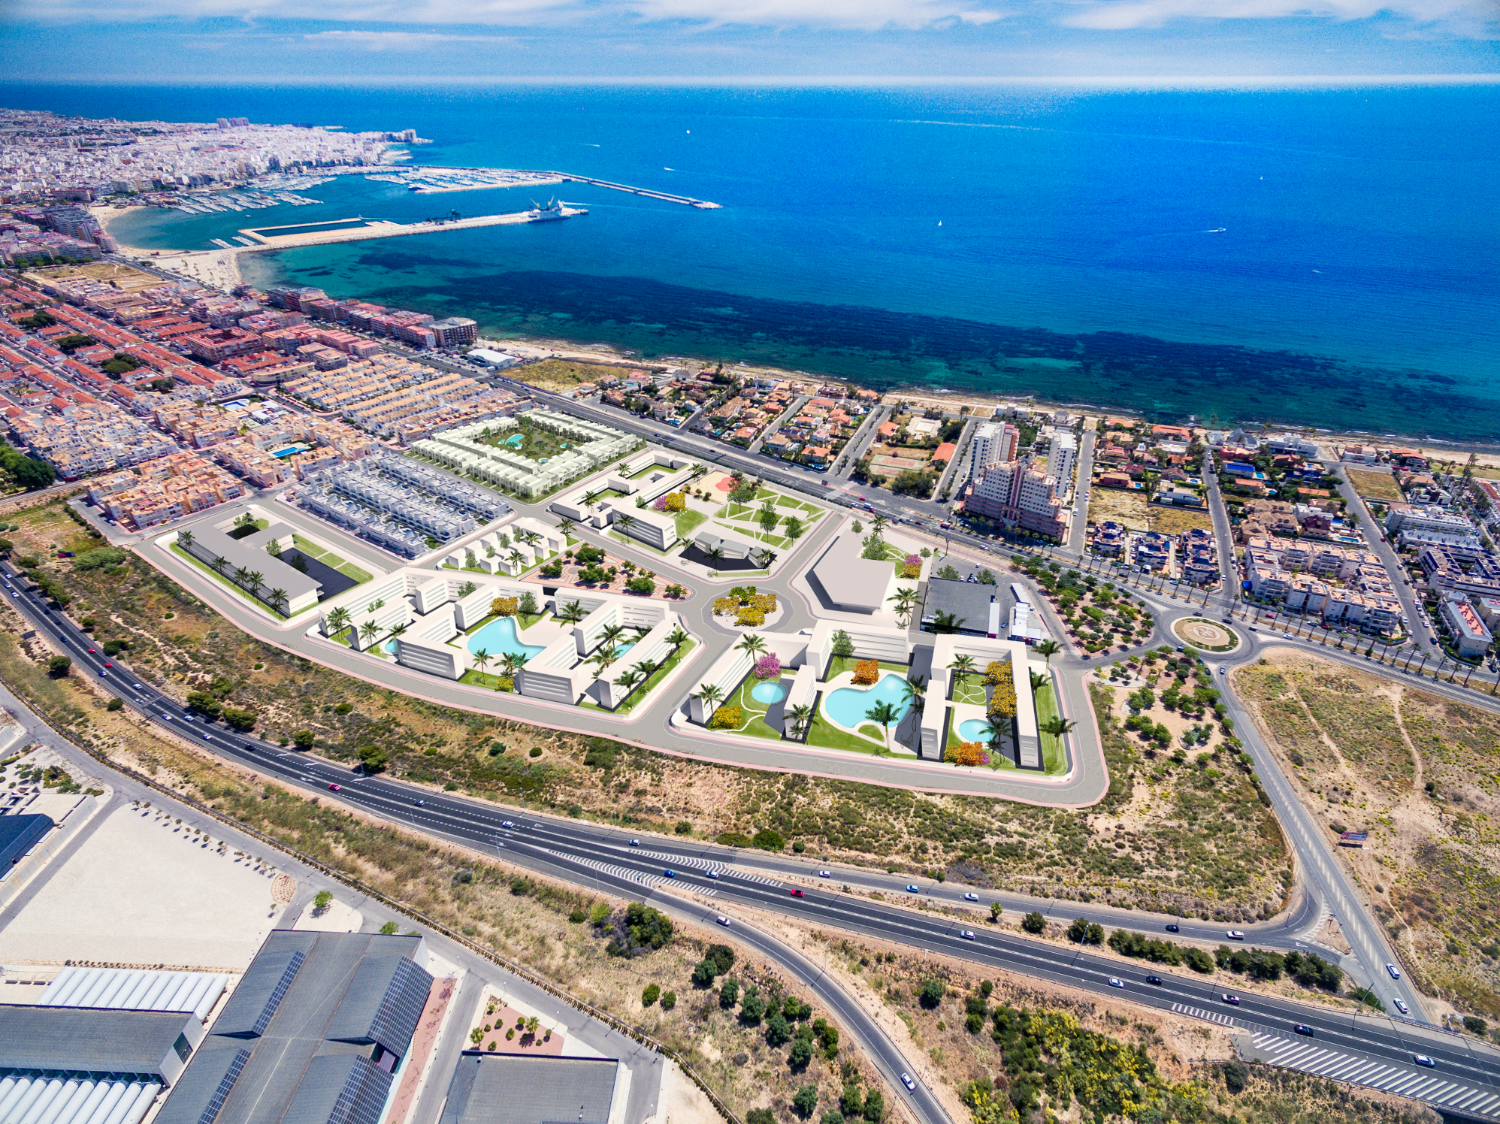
column 706, row 876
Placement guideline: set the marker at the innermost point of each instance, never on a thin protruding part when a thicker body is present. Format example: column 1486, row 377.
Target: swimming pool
column 848, row 705
column 771, row 691
column 972, row 730
column 515, row 439
column 623, row 648
column 499, row 638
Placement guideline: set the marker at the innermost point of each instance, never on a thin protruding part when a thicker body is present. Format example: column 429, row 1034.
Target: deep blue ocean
column 1322, row 256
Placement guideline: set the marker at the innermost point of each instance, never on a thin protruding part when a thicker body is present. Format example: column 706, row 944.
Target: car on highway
column 331, row 788
column 1154, row 981
column 1235, row 935
column 710, row 874
column 420, row 803
column 724, row 921
column 507, row 823
column 1395, row 972
column 668, row 873
column 1303, row 1029
column 1115, row 981
column 1401, row 1005
column 912, row 890
column 138, row 687
column 1231, row 998
column 92, row 652
column 825, row 874
column 908, row 1082
column 966, row 934
column 797, row 893
column 635, row 842
column 1424, row 1060
column 1174, row 928
column 971, row 897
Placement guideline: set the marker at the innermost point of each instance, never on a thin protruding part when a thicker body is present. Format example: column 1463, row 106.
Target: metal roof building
column 315, row 1033
column 514, row 1089
column 126, row 989
column 19, row 834
column 145, row 1045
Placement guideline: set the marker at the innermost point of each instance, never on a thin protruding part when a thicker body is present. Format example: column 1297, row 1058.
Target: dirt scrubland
column 1002, row 1051
column 1422, row 776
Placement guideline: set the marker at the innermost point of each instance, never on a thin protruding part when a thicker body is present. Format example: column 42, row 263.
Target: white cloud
column 1122, row 15
column 399, row 40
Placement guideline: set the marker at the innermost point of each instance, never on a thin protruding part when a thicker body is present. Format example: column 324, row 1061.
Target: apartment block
column 1020, row 495
column 164, row 489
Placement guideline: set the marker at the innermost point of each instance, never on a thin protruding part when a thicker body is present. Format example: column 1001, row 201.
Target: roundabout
column 1206, row 635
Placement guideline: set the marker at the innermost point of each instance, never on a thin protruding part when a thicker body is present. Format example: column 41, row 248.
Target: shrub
column 732, row 839
column 800, row 1054
column 967, row 753
column 1475, row 1025
column 752, row 1007
column 778, row 1030
column 58, row 666
column 866, row 672
column 668, row 1000
column 303, row 740
column 722, row 957
column 114, row 704
column 1034, row 922
column 98, row 559
column 931, row 994
column 650, row 995
column 704, row 973
column 768, row 667
column 729, row 993
column 843, row 643
column 1236, row 1073
column 760, row 1116
column 684, row 827
column 769, row 840
column 505, row 606
column 244, row 720
column 726, row 718
column 805, row 1100
column 749, row 618
column 642, row 585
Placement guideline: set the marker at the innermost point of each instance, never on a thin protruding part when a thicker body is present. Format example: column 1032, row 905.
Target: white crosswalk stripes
column 1200, row 1013
column 1390, row 1077
column 640, row 877
column 746, row 876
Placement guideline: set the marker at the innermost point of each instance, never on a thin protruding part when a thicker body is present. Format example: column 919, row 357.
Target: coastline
column 219, row 269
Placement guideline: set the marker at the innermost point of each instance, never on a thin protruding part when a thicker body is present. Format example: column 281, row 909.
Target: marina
column 358, row 229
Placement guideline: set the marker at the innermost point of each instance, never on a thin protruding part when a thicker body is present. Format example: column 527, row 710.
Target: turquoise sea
column 1322, row 256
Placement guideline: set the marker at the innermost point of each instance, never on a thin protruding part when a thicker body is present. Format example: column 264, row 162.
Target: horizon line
column 1304, row 81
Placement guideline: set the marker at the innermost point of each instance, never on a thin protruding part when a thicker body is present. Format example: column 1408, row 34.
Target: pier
column 357, row 229
column 665, row 196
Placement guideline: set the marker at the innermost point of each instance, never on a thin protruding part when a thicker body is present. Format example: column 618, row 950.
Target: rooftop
column 489, row 1088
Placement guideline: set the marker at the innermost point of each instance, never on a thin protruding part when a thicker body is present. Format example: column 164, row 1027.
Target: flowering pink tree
column 768, row 667
column 660, row 504
column 913, row 560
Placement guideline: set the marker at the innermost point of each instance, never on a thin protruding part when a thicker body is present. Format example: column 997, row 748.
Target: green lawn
column 824, row 733
column 1054, row 755
column 485, row 679
column 225, row 582
column 656, row 677
column 840, row 664
column 689, row 521
column 969, row 688
column 328, row 558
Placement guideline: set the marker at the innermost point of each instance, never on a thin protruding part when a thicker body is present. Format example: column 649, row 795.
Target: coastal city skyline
column 687, row 598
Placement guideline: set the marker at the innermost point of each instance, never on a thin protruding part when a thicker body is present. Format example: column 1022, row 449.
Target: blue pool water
column 288, row 451
column 515, row 439
column 390, row 646
column 499, row 638
column 847, row 706
column 623, row 648
column 771, row 691
column 972, row 729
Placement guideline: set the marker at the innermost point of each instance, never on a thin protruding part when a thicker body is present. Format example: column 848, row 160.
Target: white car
column 966, row 934
column 908, row 1082
column 825, row 874
column 971, row 897
column 1235, row 935
column 1401, row 1006
column 724, row 921
column 1116, row 982
column 711, row 874
column 1395, row 972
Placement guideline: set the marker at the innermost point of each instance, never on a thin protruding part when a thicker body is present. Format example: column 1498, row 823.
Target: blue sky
column 715, row 40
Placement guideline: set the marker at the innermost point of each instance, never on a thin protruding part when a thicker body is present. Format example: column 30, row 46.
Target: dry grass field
column 1422, row 775
column 122, row 277
column 1127, row 508
column 1374, row 485
column 1175, row 520
column 563, row 375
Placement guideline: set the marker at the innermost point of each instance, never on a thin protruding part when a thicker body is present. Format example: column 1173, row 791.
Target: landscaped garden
column 592, row 567
column 771, row 517
column 527, row 439
column 1098, row 615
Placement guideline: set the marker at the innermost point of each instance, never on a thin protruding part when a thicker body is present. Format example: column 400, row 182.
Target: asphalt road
column 601, row 856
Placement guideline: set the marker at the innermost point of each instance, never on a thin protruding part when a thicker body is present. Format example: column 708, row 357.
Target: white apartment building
column 993, row 443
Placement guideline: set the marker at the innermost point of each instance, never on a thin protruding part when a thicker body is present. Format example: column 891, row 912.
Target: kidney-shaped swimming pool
column 848, row 706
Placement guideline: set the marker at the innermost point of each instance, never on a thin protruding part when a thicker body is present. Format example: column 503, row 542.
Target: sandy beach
column 217, row 268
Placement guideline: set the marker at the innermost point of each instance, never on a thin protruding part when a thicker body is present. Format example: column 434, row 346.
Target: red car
column 798, row 894
column 335, row 788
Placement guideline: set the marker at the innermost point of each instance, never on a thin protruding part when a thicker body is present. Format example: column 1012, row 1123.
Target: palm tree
column 766, row 558
column 715, row 555
column 883, row 714
column 678, row 637
column 482, row 658
column 605, row 658
column 962, row 664
column 591, row 500
column 336, row 621
column 879, row 523
column 508, row 664
column 711, row 695
column 399, row 630
column 1048, row 649
column 254, row 577
column 184, row 539
column 369, row 630
column 914, row 691
column 220, row 564
column 800, row 717
column 521, row 659
column 753, row 644
column 530, row 538
column 644, row 668
column 992, row 732
column 1038, row 681
column 571, row 613
column 241, row 575
column 532, row 1022
column 628, row 679
column 610, row 633
column 947, row 623
column 566, row 526
column 626, row 521
column 700, row 471
column 905, row 598
column 516, row 559
column 278, row 599
column 1057, row 726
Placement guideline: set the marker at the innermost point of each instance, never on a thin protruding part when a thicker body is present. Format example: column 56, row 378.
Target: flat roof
column 18, row 834
column 966, row 600
column 88, row 1040
column 515, row 1089
column 852, row 581
column 249, row 553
